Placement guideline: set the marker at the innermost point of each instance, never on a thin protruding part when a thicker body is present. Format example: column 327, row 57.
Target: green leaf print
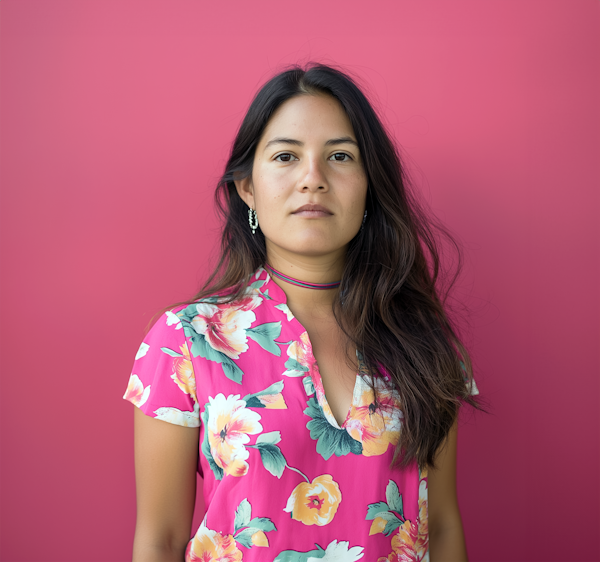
column 392, row 524
column 257, row 284
column 263, row 524
column 275, row 388
column 242, row 519
column 294, row 369
column 266, row 295
column 271, row 438
column 265, row 334
column 309, row 387
column 217, row 470
column 383, row 510
column 245, row 537
column 170, row 352
column 294, row 556
column 231, row 370
column 375, row 509
column 242, row 515
column 254, row 402
column 272, row 458
column 393, row 497
column 330, row 440
column 387, row 515
column 201, row 348
column 188, row 313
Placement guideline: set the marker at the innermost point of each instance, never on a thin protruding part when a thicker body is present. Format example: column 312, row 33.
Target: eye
column 340, row 157
column 285, row 157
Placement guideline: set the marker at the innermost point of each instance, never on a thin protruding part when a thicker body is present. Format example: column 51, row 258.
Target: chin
column 313, row 246
column 310, row 241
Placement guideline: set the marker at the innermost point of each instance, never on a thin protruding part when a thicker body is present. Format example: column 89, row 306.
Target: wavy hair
column 393, row 308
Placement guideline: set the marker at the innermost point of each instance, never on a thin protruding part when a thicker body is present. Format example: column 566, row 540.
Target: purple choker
column 299, row 283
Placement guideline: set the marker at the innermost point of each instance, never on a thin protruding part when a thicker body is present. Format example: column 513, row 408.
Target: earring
column 252, row 220
column 362, row 227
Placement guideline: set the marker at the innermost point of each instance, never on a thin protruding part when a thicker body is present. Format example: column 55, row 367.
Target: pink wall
column 116, row 119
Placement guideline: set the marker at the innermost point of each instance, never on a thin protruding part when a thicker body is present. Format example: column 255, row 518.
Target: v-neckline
column 278, row 294
column 322, row 398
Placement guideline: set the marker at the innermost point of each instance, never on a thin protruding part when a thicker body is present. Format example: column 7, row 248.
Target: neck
column 310, row 270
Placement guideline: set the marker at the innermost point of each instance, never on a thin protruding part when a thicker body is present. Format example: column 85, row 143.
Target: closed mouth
column 316, row 210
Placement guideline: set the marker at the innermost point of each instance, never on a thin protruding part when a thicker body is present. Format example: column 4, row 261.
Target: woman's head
column 308, row 184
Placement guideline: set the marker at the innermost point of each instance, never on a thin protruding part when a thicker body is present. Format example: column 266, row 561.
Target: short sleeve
column 163, row 383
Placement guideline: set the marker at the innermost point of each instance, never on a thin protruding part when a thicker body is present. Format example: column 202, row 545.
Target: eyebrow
column 295, row 142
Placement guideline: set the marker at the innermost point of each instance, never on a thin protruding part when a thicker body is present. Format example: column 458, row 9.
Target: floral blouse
column 283, row 481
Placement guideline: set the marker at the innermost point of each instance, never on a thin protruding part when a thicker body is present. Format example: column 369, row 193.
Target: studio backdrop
column 116, row 120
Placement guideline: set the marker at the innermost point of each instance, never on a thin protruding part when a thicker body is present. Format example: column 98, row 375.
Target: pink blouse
column 283, row 480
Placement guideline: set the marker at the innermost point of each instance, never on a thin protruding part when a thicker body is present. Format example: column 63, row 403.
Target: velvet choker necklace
column 299, row 283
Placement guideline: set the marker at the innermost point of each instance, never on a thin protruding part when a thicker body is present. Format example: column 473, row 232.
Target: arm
column 446, row 539
column 166, row 457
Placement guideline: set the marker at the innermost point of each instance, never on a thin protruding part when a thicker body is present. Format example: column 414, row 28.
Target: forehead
column 309, row 116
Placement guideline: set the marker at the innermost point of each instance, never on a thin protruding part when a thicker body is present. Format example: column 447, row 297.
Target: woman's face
column 308, row 184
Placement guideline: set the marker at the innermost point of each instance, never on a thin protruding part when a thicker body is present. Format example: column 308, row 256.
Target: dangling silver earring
column 252, row 220
column 362, row 227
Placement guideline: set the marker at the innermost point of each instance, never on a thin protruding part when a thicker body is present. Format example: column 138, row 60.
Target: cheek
column 271, row 191
column 269, row 209
column 357, row 198
column 269, row 212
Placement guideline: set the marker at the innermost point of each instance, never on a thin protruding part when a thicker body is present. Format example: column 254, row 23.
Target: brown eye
column 340, row 157
column 285, row 157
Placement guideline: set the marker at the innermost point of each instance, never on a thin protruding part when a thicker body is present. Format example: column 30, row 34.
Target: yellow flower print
column 136, row 393
column 411, row 542
column 404, row 543
column 211, row 546
column 377, row 526
column 229, row 425
column 316, row 502
column 273, row 401
column 270, row 398
column 260, row 539
column 375, row 425
column 183, row 373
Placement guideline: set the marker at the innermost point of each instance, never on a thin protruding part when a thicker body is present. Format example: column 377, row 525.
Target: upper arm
column 162, row 386
column 446, row 538
column 166, row 460
column 441, row 481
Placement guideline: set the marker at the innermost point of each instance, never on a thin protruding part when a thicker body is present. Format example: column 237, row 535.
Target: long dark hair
column 393, row 308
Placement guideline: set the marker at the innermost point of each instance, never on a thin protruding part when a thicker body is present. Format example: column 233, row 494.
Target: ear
column 245, row 190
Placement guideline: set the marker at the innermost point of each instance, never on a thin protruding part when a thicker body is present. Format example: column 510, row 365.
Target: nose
column 314, row 176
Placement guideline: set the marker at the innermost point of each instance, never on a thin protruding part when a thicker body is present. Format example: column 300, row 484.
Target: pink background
column 117, row 116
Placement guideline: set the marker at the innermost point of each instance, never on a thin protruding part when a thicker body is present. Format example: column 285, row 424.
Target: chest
column 336, row 362
column 279, row 398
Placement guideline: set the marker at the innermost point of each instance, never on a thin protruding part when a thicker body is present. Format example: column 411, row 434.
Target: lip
column 314, row 211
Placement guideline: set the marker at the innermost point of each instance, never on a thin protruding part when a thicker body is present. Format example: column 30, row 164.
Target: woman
column 322, row 260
